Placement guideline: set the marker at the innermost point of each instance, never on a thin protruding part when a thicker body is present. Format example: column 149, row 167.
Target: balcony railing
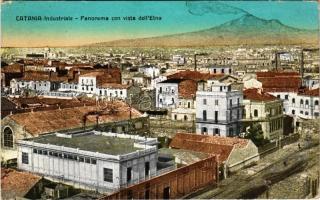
column 213, row 121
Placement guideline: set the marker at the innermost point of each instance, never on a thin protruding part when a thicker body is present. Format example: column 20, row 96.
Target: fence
column 174, row 184
column 312, row 186
column 273, row 146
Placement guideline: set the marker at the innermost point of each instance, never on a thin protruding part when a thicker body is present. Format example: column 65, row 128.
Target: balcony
column 233, row 106
column 212, row 121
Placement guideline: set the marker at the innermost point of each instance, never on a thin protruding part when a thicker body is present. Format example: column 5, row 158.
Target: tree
column 255, row 134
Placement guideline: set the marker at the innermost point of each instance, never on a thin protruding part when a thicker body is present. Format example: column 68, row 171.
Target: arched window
column 301, row 101
column 307, row 102
column 255, row 113
column 7, row 137
column 204, row 130
column 293, row 100
column 316, row 102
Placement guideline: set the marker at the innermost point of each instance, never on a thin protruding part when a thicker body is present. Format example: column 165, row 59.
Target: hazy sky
column 177, row 17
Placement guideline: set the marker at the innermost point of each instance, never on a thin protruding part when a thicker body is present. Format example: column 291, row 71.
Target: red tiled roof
column 71, row 118
column 280, row 89
column 194, row 75
column 307, row 92
column 277, row 74
column 222, row 150
column 43, row 76
column 208, row 144
column 16, row 184
column 279, row 81
column 103, row 76
column 92, row 74
column 257, row 95
column 187, row 89
column 52, row 101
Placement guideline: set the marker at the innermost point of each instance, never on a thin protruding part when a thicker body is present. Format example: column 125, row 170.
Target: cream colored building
column 264, row 109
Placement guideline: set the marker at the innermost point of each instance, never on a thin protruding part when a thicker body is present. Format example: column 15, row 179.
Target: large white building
column 219, row 109
column 92, row 160
column 95, row 83
column 167, row 93
column 178, row 59
column 303, row 104
column 220, row 69
column 150, row 71
column 299, row 101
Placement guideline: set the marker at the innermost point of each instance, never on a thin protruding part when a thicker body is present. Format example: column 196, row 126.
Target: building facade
column 300, row 105
column 71, row 158
column 265, row 109
column 220, row 70
column 167, row 93
column 219, row 110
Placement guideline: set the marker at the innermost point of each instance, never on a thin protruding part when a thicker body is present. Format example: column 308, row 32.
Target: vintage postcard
column 160, row 99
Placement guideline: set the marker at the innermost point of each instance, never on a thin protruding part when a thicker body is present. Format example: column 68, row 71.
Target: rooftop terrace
column 91, row 142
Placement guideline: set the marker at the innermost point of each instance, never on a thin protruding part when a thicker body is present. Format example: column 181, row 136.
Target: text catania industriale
column 86, row 18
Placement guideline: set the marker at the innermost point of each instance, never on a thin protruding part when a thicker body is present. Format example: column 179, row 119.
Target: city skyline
column 177, row 17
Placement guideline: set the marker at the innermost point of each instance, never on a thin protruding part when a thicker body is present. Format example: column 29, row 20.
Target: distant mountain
column 247, row 29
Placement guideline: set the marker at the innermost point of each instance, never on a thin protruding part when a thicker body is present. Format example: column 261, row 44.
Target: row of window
column 293, row 100
column 216, row 115
column 91, row 81
column 66, row 156
column 216, row 131
column 222, row 71
column 22, row 83
column 107, row 173
column 216, row 102
column 172, row 100
column 105, row 93
column 316, row 114
column 185, row 117
column 70, row 86
column 172, row 90
column 188, row 104
column 204, row 131
column 225, row 87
